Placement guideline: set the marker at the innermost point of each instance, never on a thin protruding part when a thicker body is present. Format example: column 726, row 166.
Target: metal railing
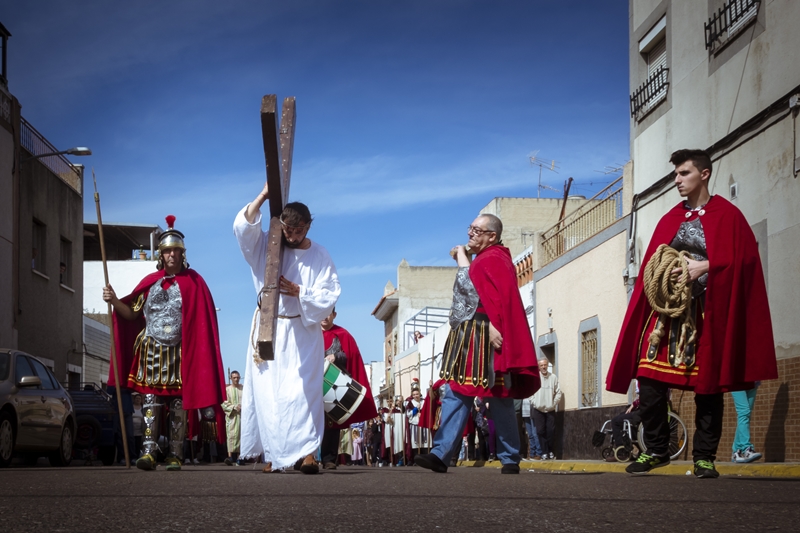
column 650, row 93
column 35, row 143
column 593, row 216
column 524, row 267
column 728, row 20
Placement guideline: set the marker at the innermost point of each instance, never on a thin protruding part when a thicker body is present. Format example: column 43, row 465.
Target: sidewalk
column 675, row 468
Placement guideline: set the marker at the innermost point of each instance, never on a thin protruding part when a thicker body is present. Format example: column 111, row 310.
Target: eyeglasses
column 478, row 231
column 291, row 231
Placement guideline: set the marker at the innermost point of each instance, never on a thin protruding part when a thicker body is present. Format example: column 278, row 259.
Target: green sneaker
column 173, row 464
column 646, row 463
column 705, row 469
column 146, row 462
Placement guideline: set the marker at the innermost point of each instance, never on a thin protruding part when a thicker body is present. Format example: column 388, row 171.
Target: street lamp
column 78, row 150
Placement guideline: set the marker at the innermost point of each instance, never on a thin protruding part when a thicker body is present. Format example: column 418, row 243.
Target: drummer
column 341, row 350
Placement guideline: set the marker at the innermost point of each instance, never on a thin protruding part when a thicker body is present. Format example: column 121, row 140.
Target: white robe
column 282, row 409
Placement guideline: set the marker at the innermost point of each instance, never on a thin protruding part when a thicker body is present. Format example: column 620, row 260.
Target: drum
column 341, row 393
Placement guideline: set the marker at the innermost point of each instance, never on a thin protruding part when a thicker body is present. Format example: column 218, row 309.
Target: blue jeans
column 457, row 408
column 533, row 437
column 743, row 400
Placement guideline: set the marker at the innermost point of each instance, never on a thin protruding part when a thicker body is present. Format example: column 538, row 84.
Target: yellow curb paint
column 673, row 469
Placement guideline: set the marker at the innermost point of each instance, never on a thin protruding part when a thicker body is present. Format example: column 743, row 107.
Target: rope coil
column 670, row 295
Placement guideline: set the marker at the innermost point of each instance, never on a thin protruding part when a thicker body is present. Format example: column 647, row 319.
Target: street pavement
column 404, row 499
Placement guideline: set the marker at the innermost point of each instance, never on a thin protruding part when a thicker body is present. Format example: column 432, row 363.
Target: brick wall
column 774, row 424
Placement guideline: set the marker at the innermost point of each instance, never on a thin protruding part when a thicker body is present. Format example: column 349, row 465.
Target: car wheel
column 6, row 439
column 88, row 432
column 63, row 455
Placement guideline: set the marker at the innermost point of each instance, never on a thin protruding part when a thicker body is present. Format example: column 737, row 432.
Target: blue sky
column 411, row 116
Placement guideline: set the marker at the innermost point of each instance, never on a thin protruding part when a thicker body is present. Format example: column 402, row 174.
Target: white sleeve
column 318, row 300
column 252, row 241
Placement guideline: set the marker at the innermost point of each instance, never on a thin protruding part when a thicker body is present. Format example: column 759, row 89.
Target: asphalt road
column 235, row 499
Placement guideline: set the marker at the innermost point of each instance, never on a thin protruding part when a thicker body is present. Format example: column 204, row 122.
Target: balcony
column 35, row 143
column 599, row 212
column 728, row 21
column 650, row 93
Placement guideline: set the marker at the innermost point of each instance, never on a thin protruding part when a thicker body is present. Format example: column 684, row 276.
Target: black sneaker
column 431, row 462
column 646, row 463
column 228, row 461
column 512, row 468
column 705, row 469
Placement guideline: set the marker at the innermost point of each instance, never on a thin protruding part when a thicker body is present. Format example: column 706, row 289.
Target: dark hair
column 295, row 214
column 494, row 224
column 236, row 372
column 699, row 158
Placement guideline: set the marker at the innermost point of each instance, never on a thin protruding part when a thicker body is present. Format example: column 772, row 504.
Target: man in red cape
column 341, row 349
column 167, row 341
column 489, row 352
column 734, row 346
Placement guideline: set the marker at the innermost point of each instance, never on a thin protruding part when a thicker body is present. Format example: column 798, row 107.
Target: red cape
column 355, row 367
column 202, row 374
column 427, row 415
column 737, row 329
column 494, row 277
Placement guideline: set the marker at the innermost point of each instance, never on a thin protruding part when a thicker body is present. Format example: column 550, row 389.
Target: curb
column 675, row 468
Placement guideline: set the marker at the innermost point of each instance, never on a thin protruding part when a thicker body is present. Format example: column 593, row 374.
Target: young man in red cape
column 733, row 346
column 167, row 341
column 489, row 352
column 341, row 349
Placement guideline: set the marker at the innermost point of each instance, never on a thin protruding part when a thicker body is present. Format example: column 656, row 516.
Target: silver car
column 36, row 413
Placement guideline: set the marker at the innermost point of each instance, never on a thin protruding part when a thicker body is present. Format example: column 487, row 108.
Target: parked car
column 36, row 413
column 96, row 422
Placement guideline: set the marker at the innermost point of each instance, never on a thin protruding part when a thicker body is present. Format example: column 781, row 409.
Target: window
column 728, row 21
column 39, row 247
column 65, row 266
column 22, row 368
column 590, row 378
column 48, row 381
column 653, row 48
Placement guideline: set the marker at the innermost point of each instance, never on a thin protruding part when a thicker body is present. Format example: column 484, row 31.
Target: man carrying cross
column 282, row 408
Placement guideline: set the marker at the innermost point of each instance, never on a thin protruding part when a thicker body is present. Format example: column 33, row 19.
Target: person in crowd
column 167, row 341
column 534, row 448
column 489, row 352
column 283, row 416
column 417, row 439
column 233, row 418
column 543, row 408
column 138, row 424
column 721, row 339
column 743, row 449
column 341, row 349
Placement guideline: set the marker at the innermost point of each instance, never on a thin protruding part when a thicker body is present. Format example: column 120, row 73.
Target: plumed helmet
column 414, row 384
column 171, row 238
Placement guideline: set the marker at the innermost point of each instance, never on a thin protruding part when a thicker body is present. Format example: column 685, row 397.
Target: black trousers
column 655, row 418
column 545, row 427
column 329, row 449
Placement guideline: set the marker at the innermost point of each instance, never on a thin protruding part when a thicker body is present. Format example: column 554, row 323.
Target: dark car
column 36, row 413
column 96, row 422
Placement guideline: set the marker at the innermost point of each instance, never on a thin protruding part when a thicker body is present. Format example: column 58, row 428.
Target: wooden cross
column 278, row 148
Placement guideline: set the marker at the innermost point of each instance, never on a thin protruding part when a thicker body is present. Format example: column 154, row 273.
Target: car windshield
column 5, row 360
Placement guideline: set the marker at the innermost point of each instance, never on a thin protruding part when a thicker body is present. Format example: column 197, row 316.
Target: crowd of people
column 492, row 391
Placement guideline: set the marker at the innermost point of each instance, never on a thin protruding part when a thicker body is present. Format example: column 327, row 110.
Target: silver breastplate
column 465, row 298
column 162, row 314
column 692, row 239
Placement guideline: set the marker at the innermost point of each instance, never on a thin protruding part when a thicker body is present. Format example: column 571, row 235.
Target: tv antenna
column 541, row 162
column 616, row 168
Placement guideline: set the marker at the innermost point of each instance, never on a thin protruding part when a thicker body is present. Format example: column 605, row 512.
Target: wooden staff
column 114, row 358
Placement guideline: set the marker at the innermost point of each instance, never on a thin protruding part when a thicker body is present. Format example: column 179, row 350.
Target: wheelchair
column 634, row 442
